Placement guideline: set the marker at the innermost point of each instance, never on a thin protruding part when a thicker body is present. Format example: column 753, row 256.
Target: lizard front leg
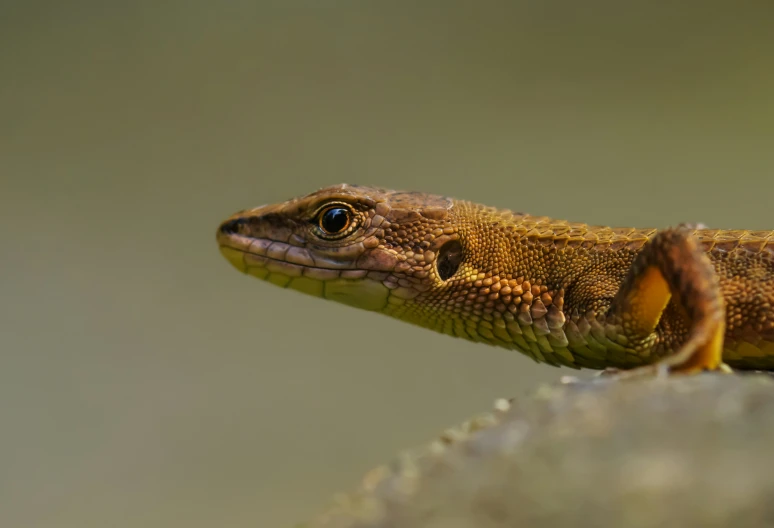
column 673, row 266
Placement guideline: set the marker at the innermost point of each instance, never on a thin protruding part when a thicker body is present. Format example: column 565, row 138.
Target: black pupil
column 335, row 219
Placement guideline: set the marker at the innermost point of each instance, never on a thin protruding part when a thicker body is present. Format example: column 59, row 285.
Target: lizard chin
column 235, row 257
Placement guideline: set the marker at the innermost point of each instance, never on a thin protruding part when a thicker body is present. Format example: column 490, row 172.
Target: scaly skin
column 563, row 293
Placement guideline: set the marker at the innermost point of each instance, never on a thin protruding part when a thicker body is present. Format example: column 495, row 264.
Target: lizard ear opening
column 449, row 259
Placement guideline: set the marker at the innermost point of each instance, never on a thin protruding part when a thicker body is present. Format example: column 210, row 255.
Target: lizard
column 683, row 299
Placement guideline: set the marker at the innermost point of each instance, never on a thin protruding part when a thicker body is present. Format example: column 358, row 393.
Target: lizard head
column 357, row 245
column 400, row 253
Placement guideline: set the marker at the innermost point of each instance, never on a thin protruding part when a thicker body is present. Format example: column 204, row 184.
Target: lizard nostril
column 233, row 227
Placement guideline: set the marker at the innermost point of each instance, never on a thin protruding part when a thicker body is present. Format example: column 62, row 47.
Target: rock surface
column 680, row 451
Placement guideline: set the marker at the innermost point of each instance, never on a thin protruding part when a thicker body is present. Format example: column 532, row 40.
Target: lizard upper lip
column 245, row 251
column 244, row 255
column 228, row 237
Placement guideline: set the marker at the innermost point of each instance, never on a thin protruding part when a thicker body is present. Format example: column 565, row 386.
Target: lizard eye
column 334, row 219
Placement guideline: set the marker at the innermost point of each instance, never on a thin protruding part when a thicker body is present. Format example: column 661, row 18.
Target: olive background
column 144, row 382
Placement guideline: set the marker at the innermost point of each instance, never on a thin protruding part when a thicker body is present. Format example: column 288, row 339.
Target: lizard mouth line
column 270, row 259
column 247, row 259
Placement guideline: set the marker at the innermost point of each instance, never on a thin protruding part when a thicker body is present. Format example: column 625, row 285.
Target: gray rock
column 680, row 451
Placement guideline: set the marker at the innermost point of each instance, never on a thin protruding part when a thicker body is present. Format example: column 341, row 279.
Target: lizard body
column 563, row 293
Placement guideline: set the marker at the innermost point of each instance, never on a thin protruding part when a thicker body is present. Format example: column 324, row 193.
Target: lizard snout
column 234, row 226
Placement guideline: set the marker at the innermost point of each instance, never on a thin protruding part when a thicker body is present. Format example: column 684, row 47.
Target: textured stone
column 683, row 451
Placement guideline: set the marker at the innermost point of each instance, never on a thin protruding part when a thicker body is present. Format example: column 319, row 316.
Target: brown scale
column 561, row 292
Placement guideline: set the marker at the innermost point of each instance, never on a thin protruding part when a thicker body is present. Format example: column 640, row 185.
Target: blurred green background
column 144, row 382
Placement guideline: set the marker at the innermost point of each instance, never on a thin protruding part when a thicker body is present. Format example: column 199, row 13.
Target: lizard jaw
column 293, row 267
